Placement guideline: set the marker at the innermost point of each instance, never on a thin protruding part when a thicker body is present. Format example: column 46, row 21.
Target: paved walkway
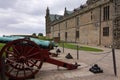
column 86, row 59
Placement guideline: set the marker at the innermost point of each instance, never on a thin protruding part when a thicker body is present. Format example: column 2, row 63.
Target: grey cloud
column 28, row 16
column 7, row 3
column 61, row 4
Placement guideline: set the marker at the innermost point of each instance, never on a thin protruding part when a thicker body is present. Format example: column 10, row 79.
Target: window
column 58, row 34
column 77, row 34
column 77, row 21
column 106, row 31
column 66, row 24
column 91, row 15
column 59, row 30
column 65, row 35
column 111, row 0
column 106, row 13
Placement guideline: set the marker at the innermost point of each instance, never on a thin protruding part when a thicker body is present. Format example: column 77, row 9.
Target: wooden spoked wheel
column 19, row 59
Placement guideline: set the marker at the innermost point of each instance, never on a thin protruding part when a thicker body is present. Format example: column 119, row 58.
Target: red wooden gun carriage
column 24, row 58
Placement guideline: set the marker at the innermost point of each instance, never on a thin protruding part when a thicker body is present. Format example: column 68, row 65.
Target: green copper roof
column 54, row 17
column 69, row 12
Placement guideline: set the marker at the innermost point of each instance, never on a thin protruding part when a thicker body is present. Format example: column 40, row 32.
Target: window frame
column 106, row 13
column 106, row 31
column 77, row 34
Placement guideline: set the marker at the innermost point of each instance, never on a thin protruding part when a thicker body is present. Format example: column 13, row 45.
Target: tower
column 47, row 18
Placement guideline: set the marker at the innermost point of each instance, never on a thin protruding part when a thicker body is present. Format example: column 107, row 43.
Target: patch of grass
column 84, row 48
column 44, row 38
column 90, row 49
column 1, row 45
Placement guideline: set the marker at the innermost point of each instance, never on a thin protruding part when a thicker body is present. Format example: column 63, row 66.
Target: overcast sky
column 28, row 16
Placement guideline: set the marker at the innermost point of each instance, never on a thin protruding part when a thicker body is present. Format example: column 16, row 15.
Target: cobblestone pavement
column 86, row 59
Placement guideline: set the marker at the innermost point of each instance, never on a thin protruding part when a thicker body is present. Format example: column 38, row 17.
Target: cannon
column 42, row 43
column 24, row 58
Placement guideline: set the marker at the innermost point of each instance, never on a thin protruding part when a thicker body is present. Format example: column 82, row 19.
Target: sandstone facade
column 91, row 23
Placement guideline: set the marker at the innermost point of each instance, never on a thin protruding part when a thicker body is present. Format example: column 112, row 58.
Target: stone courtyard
column 86, row 60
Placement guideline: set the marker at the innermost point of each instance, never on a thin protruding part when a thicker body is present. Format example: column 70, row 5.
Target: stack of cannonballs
column 96, row 69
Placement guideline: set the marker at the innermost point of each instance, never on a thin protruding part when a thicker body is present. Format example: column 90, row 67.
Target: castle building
column 96, row 22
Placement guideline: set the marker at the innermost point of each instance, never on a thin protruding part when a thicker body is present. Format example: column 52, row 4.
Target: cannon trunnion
column 24, row 58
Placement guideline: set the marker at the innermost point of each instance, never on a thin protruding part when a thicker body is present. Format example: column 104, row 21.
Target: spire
column 65, row 11
column 47, row 11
